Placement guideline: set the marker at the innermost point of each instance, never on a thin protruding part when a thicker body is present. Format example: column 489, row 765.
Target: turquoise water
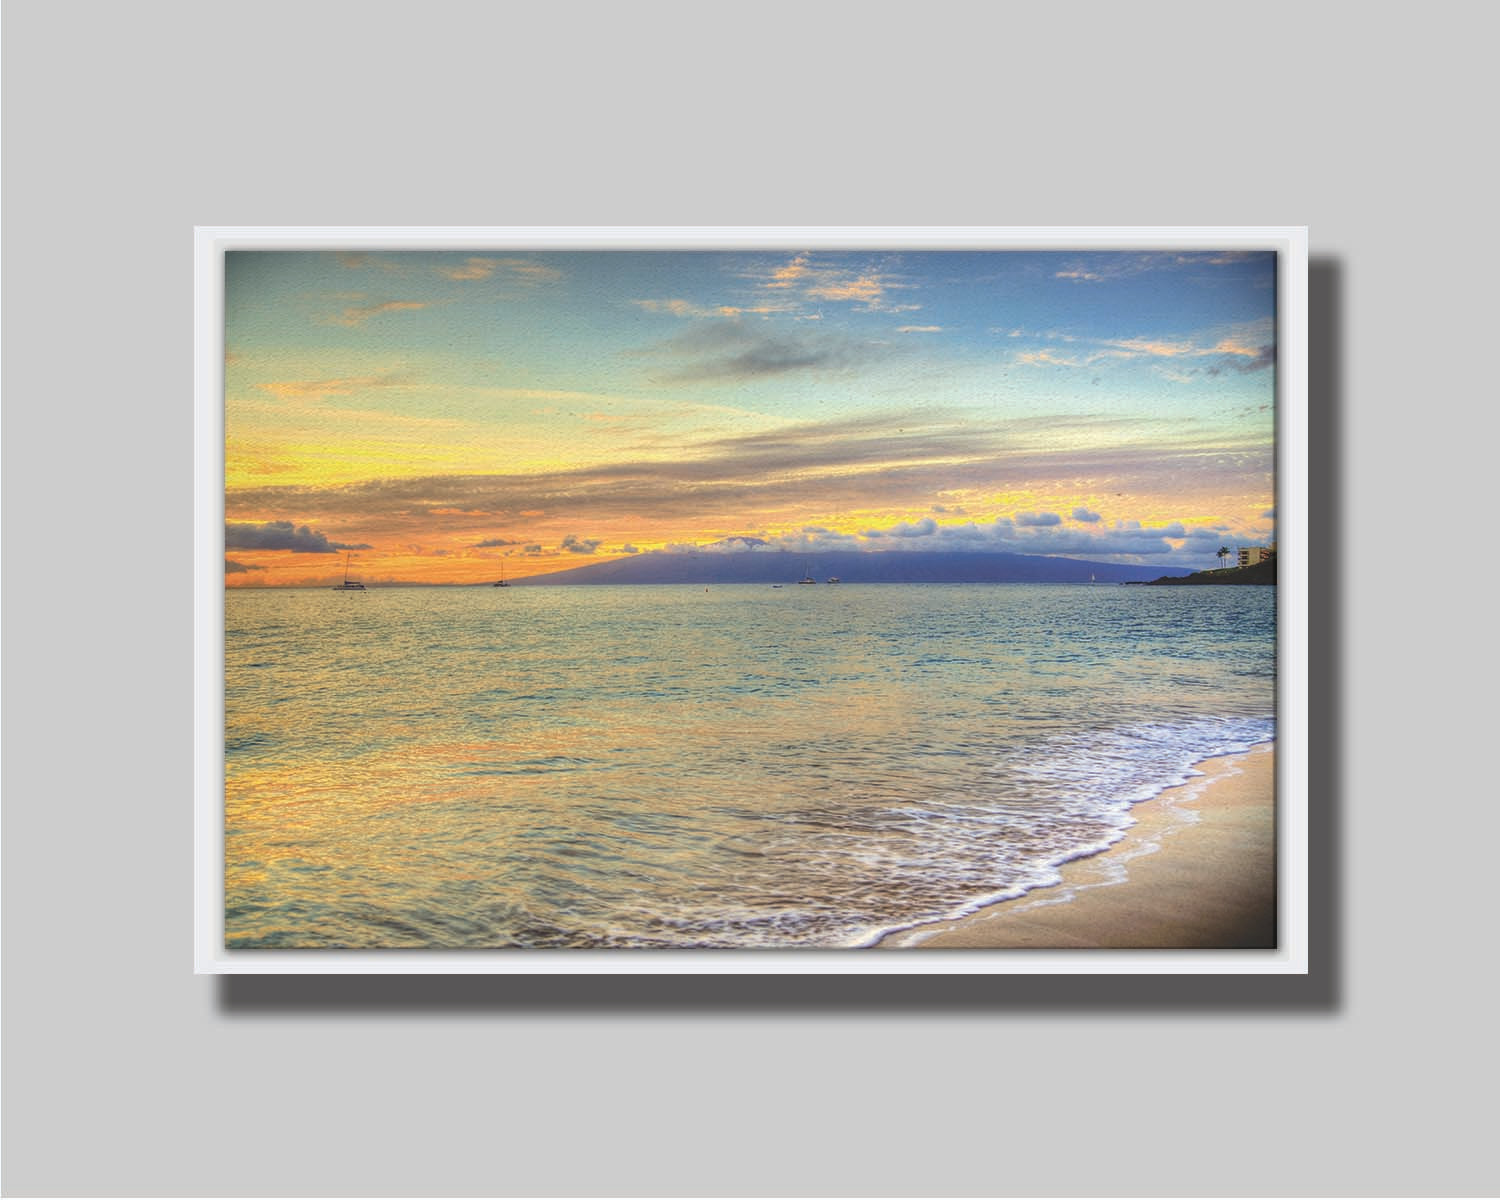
column 737, row 767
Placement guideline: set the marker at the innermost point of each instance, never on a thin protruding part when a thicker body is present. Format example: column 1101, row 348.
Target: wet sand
column 1197, row 871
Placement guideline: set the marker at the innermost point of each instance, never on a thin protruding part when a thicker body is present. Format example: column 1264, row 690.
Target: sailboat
column 348, row 585
column 501, row 581
column 806, row 575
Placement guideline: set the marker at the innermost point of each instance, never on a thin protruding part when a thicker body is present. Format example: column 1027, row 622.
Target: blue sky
column 1112, row 405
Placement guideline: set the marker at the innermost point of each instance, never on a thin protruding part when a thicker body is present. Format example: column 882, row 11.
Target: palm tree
column 1223, row 554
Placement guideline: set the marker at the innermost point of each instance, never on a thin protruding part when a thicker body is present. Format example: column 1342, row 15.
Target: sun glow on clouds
column 808, row 277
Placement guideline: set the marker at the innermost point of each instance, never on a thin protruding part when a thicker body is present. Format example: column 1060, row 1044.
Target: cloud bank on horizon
column 438, row 411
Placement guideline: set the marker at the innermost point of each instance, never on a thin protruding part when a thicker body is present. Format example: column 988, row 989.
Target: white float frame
column 1292, row 750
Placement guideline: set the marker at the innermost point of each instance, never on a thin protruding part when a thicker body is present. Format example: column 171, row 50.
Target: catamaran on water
column 349, row 585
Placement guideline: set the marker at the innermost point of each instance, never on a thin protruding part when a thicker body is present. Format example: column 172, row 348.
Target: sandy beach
column 1197, row 871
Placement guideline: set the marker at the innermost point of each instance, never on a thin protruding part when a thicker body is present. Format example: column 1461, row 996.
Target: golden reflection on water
column 643, row 766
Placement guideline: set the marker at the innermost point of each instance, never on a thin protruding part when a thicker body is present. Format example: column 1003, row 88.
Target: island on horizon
column 783, row 567
column 1262, row 571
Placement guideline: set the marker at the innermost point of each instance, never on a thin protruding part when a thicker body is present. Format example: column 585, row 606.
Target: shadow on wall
column 1318, row 991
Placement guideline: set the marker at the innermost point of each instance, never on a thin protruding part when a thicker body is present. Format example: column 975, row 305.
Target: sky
column 428, row 416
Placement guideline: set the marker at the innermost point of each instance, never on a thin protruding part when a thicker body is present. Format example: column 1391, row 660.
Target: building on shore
column 1250, row 555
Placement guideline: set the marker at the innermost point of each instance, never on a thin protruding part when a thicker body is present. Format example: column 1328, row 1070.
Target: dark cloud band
column 282, row 535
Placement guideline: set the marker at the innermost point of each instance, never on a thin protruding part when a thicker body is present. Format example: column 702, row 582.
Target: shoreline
column 1196, row 871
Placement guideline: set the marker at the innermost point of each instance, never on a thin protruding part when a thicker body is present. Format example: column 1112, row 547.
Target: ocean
column 674, row 766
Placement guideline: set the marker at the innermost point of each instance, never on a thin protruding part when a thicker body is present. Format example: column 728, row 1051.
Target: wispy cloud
column 1107, row 266
column 688, row 308
column 1044, row 358
column 730, row 349
column 470, row 268
column 317, row 389
column 678, row 308
column 238, row 568
column 813, row 467
column 1237, row 346
column 530, row 270
column 1244, row 349
column 864, row 289
column 790, row 275
column 1224, row 258
column 808, row 278
column 1261, row 360
column 919, row 329
column 801, row 288
column 1045, row 335
column 515, row 270
column 357, row 314
column 1242, row 357
column 1149, row 348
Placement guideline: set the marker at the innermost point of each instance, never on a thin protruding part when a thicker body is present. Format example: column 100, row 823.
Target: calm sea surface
column 669, row 766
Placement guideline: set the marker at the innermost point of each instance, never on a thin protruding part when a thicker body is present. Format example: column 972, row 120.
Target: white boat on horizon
column 348, row 585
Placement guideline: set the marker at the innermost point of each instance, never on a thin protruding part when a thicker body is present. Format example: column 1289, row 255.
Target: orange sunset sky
column 429, row 415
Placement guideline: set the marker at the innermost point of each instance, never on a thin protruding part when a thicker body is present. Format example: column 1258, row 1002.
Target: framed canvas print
column 748, row 600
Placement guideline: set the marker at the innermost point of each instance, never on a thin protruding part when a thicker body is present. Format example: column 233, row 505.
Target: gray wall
column 126, row 124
